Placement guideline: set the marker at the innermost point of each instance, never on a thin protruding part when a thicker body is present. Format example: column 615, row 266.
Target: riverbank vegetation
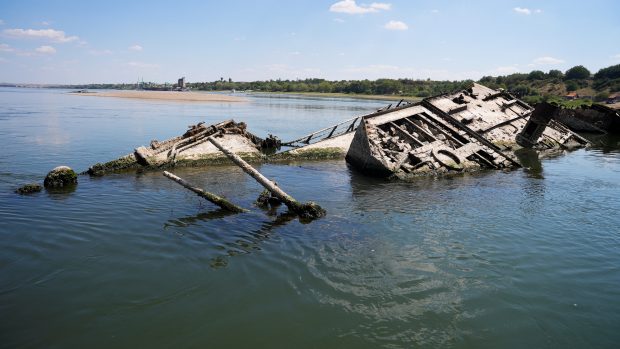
column 576, row 84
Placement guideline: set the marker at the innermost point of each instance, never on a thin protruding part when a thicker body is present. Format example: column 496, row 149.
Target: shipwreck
column 473, row 129
column 464, row 131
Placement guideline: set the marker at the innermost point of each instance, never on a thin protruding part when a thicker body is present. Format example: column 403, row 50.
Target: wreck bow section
column 499, row 117
column 417, row 141
column 190, row 149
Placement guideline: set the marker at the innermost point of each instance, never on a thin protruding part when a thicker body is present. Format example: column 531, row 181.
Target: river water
column 513, row 259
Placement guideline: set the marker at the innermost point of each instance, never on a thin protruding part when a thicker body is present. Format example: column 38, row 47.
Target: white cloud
column 526, row 11
column 135, row 48
column 339, row 20
column 48, row 34
column 45, row 23
column 381, row 6
column 6, row 48
column 396, row 25
column 47, row 50
column 350, row 7
column 547, row 60
column 434, row 11
column 294, row 53
column 1, row 22
column 522, row 10
column 143, row 65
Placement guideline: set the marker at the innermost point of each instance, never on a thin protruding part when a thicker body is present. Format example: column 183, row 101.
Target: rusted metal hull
column 465, row 131
column 593, row 119
column 415, row 141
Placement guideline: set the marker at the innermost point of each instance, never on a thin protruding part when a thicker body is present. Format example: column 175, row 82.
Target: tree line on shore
column 534, row 86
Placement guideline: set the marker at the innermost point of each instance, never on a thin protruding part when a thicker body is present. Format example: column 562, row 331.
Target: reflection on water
column 526, row 258
column 243, row 244
column 530, row 161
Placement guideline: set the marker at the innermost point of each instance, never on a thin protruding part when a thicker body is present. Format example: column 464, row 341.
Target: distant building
column 181, row 83
column 571, row 96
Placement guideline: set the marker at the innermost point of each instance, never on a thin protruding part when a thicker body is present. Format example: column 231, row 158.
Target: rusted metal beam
column 307, row 210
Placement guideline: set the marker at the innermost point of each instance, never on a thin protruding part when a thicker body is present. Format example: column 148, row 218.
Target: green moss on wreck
column 310, row 154
column 126, row 162
column 129, row 162
column 214, row 159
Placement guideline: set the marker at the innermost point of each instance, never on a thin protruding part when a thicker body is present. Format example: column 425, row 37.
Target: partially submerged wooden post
column 307, row 210
column 218, row 200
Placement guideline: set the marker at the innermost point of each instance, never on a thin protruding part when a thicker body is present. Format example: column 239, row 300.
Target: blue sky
column 123, row 41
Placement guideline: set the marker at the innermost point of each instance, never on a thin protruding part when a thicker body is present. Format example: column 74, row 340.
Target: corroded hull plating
column 465, row 131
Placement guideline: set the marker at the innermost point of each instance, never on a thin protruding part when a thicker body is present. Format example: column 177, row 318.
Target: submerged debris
column 29, row 189
column 595, row 118
column 309, row 210
column 267, row 199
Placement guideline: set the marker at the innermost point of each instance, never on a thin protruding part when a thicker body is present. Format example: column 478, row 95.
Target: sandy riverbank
column 166, row 95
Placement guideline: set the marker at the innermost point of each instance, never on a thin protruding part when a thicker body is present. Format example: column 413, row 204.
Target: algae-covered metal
column 191, row 148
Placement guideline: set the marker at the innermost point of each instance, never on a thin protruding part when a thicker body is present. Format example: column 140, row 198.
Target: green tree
column 577, row 73
column 521, row 90
column 571, row 86
column 555, row 74
column 612, row 72
column 601, row 96
column 536, row 75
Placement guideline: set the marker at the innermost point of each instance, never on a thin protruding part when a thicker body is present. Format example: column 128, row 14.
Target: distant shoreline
column 165, row 95
column 339, row 95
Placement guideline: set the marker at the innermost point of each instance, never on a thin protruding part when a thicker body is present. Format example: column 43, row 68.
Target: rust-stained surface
column 415, row 141
column 593, row 119
column 498, row 117
column 463, row 131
